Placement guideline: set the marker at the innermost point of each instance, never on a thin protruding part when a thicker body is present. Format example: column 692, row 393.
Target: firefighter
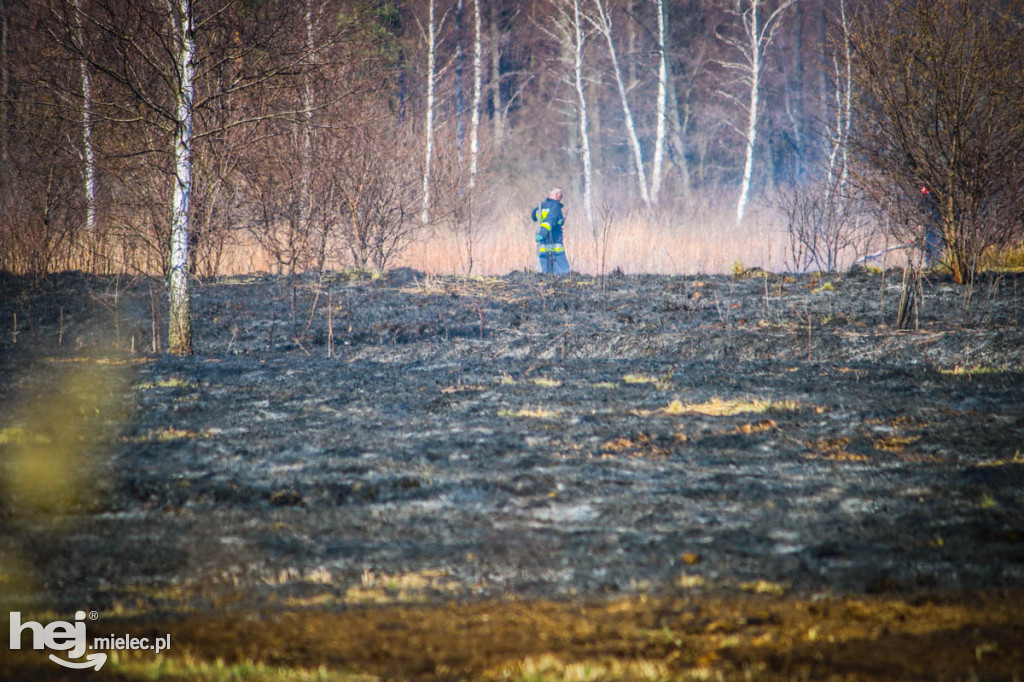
column 550, row 250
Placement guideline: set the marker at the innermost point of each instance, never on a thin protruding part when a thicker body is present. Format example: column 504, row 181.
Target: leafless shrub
column 823, row 223
column 377, row 192
column 458, row 205
column 939, row 107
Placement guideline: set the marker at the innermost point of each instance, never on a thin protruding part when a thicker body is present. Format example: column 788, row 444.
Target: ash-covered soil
column 345, row 439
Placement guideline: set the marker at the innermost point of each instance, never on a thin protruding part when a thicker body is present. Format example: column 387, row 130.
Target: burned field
column 504, row 477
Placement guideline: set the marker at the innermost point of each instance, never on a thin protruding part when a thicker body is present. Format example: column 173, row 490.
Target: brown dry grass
column 635, row 245
column 703, row 242
column 758, row 633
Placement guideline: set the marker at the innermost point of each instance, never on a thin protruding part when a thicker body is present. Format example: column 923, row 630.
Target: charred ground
column 760, row 443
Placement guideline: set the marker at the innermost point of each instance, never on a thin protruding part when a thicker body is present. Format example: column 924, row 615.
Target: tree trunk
column 180, row 324
column 751, row 25
column 429, row 128
column 604, row 25
column 588, row 176
column 474, row 120
column 88, row 155
column 838, row 161
column 657, row 172
column 757, row 37
column 796, row 113
column 678, row 134
column 306, row 155
column 460, row 58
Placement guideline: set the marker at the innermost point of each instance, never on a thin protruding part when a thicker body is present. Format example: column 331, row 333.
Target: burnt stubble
column 344, row 440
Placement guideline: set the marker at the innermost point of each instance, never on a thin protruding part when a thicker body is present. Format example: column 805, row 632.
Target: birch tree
column 602, row 21
column 658, row 165
column 179, row 296
column 842, row 105
column 755, row 36
column 88, row 154
column 147, row 53
column 430, row 37
column 306, row 153
column 478, row 76
column 569, row 29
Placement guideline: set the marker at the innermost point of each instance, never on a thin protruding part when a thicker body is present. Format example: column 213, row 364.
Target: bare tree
column 179, row 297
column 658, row 164
column 376, row 193
column 601, row 18
column 478, row 75
column 822, row 222
column 148, row 52
column 88, row 153
column 823, row 216
column 430, row 37
column 838, row 135
column 43, row 203
column 568, row 29
column 939, row 107
column 755, row 36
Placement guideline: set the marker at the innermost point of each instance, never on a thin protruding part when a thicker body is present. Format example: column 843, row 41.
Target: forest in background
column 220, row 136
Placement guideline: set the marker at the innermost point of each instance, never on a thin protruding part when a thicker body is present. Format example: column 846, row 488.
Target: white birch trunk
column 306, row 157
column 180, row 323
column 658, row 170
column 837, row 157
column 604, row 25
column 429, row 150
column 756, row 38
column 751, row 26
column 847, row 98
column 588, row 175
column 88, row 155
column 478, row 77
column 460, row 59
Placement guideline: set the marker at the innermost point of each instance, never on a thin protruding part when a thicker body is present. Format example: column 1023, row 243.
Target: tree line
column 152, row 135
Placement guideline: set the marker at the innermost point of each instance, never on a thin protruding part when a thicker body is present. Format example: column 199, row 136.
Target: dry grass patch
column 759, row 427
column 764, row 632
column 416, row 586
column 462, row 388
column 716, row 407
column 641, row 445
column 170, row 382
column 833, row 449
column 895, row 443
column 640, row 379
column 549, row 667
column 535, row 413
column 971, row 370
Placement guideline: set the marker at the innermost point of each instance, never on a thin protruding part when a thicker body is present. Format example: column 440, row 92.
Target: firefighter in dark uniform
column 550, row 250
